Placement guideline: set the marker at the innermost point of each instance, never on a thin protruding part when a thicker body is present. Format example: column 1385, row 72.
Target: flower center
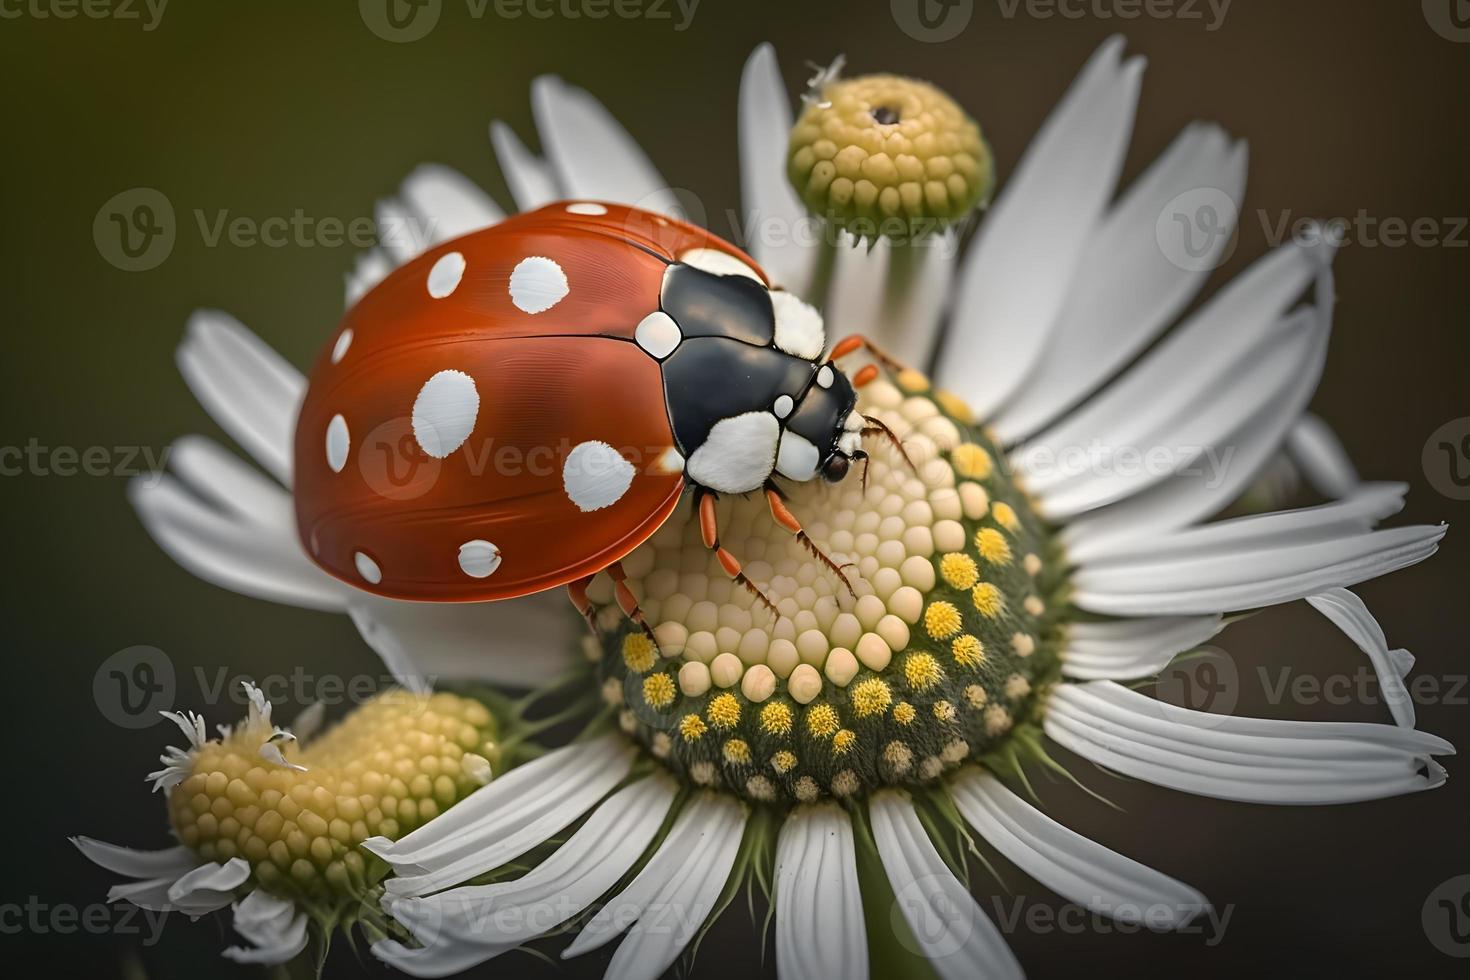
column 881, row 155
column 932, row 659
column 389, row 767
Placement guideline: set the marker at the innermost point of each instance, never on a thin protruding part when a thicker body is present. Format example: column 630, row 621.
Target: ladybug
column 519, row 408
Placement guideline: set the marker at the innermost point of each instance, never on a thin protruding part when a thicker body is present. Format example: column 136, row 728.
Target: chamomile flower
column 270, row 821
column 1046, row 535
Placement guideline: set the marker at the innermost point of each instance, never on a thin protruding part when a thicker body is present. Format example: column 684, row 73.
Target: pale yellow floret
column 1005, row 516
column 972, row 461
column 904, row 713
column 821, row 720
column 843, row 741
column 638, row 653
column 776, row 718
column 959, row 570
column 783, row 762
column 989, row 601
column 724, row 711
column 736, row 752
column 658, row 690
column 993, row 546
column 691, row 728
column 968, row 651
column 942, row 620
column 871, row 697
column 922, row 671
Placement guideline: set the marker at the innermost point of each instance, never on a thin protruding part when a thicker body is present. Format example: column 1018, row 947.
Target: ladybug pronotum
column 519, row 408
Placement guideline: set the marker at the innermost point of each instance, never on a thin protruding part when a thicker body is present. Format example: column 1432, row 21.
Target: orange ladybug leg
column 709, row 531
column 628, row 602
column 856, row 342
column 577, row 592
column 783, row 516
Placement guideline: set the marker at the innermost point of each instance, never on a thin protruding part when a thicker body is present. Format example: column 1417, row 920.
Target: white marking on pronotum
column 479, row 558
column 339, row 349
column 596, row 475
column 586, row 207
column 797, row 458
column 444, row 412
column 669, row 461
column 719, row 263
column 824, row 376
column 339, row 441
column 367, row 568
column 537, row 284
column 784, row 405
column 444, row 277
column 738, row 454
column 658, row 334
column 799, row 329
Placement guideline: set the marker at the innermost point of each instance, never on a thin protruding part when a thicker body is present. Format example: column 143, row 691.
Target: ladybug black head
column 825, row 417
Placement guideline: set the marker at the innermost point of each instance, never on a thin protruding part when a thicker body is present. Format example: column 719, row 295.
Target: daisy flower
column 270, row 821
column 1045, row 534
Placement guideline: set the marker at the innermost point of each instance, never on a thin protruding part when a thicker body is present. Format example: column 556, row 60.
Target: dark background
column 262, row 108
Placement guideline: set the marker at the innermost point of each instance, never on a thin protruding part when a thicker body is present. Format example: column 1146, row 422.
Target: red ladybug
column 519, row 408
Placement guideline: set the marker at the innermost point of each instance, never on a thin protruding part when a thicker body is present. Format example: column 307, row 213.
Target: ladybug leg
column 709, row 530
column 876, row 427
column 577, row 592
column 628, row 602
column 783, row 516
column 855, row 342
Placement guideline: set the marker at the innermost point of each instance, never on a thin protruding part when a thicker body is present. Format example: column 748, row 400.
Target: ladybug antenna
column 876, row 427
column 863, row 457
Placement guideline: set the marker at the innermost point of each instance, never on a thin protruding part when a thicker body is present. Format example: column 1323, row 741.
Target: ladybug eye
column 835, row 468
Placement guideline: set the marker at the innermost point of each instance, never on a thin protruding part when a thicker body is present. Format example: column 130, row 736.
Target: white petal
column 275, row 928
column 592, row 156
column 518, row 642
column 1356, row 514
column 1245, row 579
column 773, row 212
column 401, row 233
column 173, row 861
column 447, row 203
column 209, row 887
column 498, row 917
column 819, row 912
column 1014, row 280
column 1348, row 613
column 1127, row 648
column 229, row 483
column 245, row 386
column 1315, row 449
column 894, row 296
column 1247, row 759
column 506, row 818
column 698, row 841
column 369, row 269
column 948, row 924
column 530, row 180
column 231, row 551
column 1078, row 869
column 1127, row 289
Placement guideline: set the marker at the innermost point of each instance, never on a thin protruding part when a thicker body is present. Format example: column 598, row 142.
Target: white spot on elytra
column 738, row 454
column 596, row 475
column 669, row 461
column 586, row 207
column 658, row 334
column 339, row 441
column 824, row 376
column 478, row 558
column 367, row 568
column 799, row 329
column 537, row 284
column 444, row 412
column 784, row 405
column 339, row 349
column 444, row 277
column 719, row 263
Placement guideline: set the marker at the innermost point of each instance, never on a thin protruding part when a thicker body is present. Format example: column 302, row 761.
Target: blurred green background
column 263, row 108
